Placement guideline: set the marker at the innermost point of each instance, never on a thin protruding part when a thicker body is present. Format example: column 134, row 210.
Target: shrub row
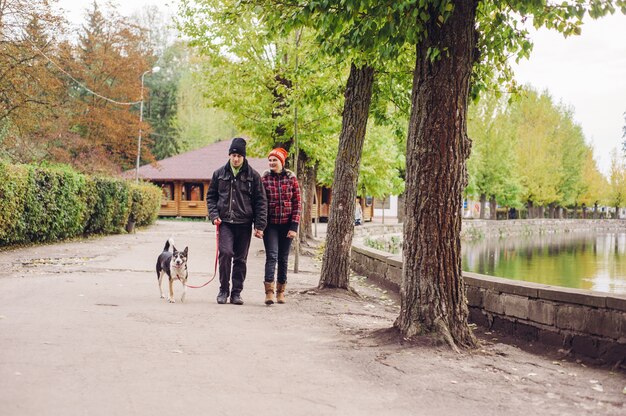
column 39, row 204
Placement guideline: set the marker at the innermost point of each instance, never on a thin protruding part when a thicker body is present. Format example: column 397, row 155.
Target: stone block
column 395, row 261
column 394, row 275
column 492, row 302
column 607, row 323
column 593, row 320
column 617, row 302
column 542, row 312
column 499, row 284
column 570, row 318
column 573, row 296
column 474, row 296
column 515, row 306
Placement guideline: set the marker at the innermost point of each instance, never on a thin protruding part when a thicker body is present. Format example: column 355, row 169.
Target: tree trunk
column 336, row 262
column 483, row 203
column 433, row 299
column 493, row 208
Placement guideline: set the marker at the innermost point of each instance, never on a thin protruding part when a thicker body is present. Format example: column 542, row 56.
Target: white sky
column 586, row 72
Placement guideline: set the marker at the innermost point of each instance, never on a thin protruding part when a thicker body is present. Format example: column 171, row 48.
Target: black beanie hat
column 238, row 146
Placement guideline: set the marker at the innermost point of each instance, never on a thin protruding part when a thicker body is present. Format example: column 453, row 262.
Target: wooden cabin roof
column 194, row 165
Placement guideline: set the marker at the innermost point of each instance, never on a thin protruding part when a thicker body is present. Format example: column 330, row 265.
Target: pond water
column 583, row 260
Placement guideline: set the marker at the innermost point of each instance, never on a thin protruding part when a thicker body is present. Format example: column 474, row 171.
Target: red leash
column 217, row 251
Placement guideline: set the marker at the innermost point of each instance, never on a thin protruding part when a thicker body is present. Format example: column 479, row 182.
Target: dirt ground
column 84, row 332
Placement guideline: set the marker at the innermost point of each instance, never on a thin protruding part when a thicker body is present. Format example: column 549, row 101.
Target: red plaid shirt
column 283, row 198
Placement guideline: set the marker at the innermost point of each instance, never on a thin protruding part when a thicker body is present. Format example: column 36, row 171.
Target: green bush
column 13, row 186
column 48, row 203
column 54, row 207
column 145, row 203
column 110, row 206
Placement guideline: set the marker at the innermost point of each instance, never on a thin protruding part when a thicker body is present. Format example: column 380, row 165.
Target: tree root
column 444, row 331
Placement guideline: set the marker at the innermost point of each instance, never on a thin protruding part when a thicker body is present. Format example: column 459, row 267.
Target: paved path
column 84, row 332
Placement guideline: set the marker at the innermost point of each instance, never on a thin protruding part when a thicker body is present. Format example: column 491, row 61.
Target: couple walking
column 240, row 199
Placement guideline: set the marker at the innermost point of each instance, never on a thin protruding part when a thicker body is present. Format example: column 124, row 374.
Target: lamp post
column 150, row 71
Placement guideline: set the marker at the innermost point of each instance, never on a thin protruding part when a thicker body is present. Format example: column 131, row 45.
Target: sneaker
column 236, row 299
column 222, row 296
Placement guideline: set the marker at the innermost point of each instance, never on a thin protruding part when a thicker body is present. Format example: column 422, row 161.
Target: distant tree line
column 528, row 153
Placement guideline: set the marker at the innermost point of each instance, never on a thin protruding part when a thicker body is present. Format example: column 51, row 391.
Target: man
column 236, row 201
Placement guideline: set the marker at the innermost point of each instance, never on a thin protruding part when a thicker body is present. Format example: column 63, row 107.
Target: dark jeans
column 234, row 244
column 276, row 251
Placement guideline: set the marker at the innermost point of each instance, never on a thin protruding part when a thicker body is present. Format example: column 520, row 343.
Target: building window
column 193, row 192
column 326, row 195
column 167, row 189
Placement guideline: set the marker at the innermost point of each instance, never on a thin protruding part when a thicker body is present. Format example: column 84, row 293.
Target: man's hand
column 291, row 234
column 217, row 221
column 258, row 233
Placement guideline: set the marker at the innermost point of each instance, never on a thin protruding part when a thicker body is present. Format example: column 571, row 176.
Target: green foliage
column 53, row 206
column 492, row 164
column 145, row 203
column 381, row 164
column 197, row 122
column 530, row 150
column 13, row 188
column 49, row 203
column 111, row 206
column 259, row 78
column 391, row 245
column 616, row 196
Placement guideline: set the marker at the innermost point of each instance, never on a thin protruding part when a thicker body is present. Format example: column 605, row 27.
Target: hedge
column 49, row 203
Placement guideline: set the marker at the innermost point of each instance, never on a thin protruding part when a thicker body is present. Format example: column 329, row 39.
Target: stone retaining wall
column 586, row 322
column 472, row 229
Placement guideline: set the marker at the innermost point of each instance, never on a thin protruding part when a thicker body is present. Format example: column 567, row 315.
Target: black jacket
column 237, row 200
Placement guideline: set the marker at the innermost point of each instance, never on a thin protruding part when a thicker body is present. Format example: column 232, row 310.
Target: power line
column 78, row 82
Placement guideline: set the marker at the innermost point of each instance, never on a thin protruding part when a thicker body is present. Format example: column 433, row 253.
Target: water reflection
column 595, row 261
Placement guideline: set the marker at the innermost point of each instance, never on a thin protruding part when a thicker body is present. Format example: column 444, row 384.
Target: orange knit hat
column 280, row 154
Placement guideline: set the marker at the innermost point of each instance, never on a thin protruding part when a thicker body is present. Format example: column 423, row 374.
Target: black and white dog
column 175, row 266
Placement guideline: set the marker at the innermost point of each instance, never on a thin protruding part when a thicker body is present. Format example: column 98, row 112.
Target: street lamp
column 149, row 71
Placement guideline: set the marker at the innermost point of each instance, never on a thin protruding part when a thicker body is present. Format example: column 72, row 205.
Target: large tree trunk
column 493, row 208
column 433, row 299
column 336, row 261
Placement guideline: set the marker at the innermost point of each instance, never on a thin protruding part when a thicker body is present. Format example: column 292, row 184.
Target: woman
column 283, row 218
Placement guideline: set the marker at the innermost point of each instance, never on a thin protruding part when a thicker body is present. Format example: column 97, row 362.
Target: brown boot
column 269, row 293
column 280, row 292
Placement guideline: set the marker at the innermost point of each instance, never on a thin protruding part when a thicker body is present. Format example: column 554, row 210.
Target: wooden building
column 185, row 178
